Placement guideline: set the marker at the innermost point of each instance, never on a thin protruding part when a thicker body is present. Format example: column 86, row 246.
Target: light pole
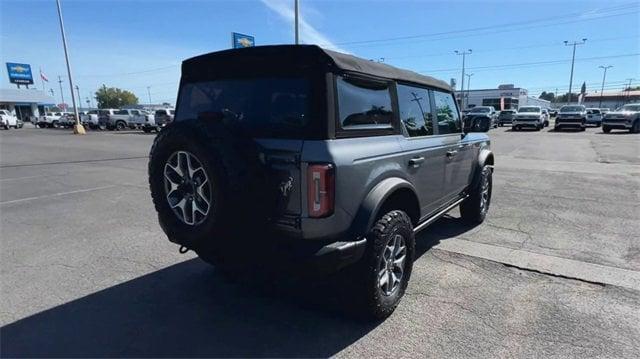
column 464, row 54
column 604, row 76
column 573, row 59
column 61, row 92
column 468, row 86
column 149, row 93
column 77, row 129
column 296, row 21
column 79, row 98
column 627, row 97
column 88, row 103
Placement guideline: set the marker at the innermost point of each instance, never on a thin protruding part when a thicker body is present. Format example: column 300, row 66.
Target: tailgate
column 282, row 158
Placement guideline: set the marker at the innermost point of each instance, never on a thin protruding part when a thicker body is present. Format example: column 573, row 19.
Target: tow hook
column 183, row 250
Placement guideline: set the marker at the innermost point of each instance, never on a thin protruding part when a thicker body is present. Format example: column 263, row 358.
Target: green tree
column 113, row 97
column 636, row 88
column 549, row 96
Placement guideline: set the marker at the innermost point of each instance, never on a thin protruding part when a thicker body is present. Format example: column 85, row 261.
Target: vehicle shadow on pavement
column 189, row 310
column 443, row 229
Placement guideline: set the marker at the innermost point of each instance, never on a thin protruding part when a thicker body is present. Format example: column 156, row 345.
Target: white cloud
column 308, row 34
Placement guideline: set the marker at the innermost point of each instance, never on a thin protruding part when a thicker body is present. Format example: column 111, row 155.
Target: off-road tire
column 120, row 125
column 474, row 210
column 606, row 129
column 374, row 304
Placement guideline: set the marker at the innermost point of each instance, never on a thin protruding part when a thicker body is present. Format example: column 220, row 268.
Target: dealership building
column 505, row 97
column 25, row 103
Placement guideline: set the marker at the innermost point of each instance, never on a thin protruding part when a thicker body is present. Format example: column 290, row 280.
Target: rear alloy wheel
column 120, row 126
column 187, row 188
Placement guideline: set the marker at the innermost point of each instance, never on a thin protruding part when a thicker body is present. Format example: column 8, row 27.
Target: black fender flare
column 485, row 157
column 372, row 203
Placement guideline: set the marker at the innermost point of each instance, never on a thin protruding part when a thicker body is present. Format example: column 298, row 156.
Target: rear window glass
column 571, row 109
column 364, row 104
column 172, row 112
column 160, row 113
column 262, row 107
column 593, row 112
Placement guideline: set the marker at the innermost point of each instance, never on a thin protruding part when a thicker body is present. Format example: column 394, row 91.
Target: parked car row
column 120, row 119
column 573, row 116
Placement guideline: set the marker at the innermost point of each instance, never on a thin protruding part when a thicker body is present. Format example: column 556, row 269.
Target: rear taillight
column 320, row 190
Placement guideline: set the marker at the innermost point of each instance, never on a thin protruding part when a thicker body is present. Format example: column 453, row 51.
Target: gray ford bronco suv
column 333, row 158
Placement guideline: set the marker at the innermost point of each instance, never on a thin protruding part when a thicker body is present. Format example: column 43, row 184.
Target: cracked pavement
column 86, row 271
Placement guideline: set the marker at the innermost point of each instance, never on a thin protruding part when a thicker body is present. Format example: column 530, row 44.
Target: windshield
column 572, row 109
column 529, row 109
column 480, row 110
column 507, row 112
column 634, row 108
column 263, row 107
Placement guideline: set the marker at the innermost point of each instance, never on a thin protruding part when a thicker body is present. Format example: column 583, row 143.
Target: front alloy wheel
column 391, row 265
column 187, row 188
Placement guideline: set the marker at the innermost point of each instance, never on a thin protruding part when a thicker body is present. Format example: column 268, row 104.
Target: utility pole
column 61, row 92
column 79, row 98
column 468, row 87
column 604, row 76
column 78, row 129
column 296, row 21
column 573, row 59
column 628, row 97
column 149, row 93
column 464, row 54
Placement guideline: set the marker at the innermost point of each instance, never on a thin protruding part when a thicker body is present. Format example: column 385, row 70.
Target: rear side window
column 121, row 112
column 415, row 110
column 446, row 113
column 364, row 105
column 262, row 107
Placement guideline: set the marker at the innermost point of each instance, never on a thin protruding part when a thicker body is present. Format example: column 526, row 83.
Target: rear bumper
column 336, row 256
column 532, row 123
column 569, row 123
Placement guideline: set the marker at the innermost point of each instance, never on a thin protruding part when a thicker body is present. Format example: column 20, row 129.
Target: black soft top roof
column 287, row 59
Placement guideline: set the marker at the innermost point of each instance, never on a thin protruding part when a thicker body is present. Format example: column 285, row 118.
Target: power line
column 502, row 66
column 505, row 27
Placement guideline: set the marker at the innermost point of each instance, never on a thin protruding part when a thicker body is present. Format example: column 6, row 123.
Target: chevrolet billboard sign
column 19, row 73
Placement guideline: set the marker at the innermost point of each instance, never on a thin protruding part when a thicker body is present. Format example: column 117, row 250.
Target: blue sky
column 135, row 44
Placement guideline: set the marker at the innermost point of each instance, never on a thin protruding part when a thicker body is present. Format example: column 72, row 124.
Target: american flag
column 43, row 76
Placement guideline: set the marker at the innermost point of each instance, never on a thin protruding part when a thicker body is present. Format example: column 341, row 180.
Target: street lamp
column 296, row 16
column 77, row 128
column 573, row 59
column 464, row 54
column 149, row 93
column 468, row 86
column 604, row 76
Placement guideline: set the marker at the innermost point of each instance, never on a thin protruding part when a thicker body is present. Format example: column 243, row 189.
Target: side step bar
column 436, row 216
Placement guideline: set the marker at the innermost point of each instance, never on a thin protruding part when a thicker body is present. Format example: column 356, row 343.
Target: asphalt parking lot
column 554, row 271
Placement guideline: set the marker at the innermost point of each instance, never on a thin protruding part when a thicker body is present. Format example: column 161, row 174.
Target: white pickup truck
column 50, row 119
column 90, row 119
column 8, row 120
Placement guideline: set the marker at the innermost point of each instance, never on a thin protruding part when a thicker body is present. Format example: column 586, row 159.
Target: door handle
column 416, row 162
column 451, row 153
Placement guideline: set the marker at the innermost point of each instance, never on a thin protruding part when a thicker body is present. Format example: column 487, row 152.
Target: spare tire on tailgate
column 208, row 184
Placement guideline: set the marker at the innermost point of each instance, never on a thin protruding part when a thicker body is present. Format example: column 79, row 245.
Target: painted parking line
column 57, row 194
column 557, row 266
